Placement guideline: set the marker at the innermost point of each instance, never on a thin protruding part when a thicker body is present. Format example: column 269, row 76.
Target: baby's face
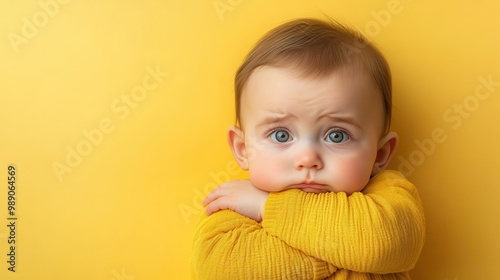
column 318, row 135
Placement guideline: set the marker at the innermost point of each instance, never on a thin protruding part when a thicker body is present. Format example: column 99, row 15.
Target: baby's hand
column 238, row 195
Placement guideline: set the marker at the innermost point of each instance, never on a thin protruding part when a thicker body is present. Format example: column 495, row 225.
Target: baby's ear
column 387, row 147
column 236, row 139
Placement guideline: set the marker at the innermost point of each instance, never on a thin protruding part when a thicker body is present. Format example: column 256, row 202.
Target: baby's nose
column 308, row 157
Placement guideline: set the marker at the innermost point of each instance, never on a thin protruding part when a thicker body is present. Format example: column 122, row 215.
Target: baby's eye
column 280, row 136
column 337, row 137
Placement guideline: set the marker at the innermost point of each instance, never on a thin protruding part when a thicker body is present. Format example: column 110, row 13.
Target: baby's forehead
column 280, row 91
column 274, row 80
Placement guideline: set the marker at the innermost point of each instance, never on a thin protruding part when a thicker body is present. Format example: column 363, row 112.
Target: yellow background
column 128, row 208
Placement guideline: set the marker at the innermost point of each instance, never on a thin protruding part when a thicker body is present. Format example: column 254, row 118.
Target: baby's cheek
column 264, row 176
column 354, row 176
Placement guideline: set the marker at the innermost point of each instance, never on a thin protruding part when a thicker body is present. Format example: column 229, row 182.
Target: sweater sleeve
column 380, row 230
column 228, row 245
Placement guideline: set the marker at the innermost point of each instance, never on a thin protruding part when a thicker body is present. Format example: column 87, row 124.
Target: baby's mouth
column 311, row 187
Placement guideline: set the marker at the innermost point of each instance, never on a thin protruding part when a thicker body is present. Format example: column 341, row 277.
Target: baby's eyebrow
column 276, row 118
column 341, row 119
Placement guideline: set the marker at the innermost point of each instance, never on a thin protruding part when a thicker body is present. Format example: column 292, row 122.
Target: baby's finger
column 216, row 205
column 213, row 195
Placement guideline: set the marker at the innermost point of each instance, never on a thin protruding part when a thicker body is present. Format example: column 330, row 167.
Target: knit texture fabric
column 374, row 234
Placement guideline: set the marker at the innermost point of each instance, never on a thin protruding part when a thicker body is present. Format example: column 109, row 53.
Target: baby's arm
column 228, row 245
column 381, row 230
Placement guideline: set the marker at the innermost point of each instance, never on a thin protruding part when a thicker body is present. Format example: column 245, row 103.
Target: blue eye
column 336, row 137
column 280, row 136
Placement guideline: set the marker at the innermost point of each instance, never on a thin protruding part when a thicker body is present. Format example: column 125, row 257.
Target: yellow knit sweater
column 374, row 234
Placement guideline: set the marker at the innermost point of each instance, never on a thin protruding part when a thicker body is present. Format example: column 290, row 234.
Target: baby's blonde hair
column 316, row 48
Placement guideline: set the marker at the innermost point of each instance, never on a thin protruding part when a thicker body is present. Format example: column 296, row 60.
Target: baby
column 313, row 104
